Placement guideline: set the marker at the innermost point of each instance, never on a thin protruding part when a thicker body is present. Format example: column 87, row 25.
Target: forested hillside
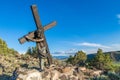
column 115, row 55
column 4, row 49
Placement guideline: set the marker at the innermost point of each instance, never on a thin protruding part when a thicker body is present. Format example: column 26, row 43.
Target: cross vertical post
column 39, row 37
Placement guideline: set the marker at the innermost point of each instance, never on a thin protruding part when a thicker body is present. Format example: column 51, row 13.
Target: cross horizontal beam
column 50, row 25
column 32, row 35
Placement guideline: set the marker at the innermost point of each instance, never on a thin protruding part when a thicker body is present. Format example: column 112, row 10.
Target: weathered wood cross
column 39, row 37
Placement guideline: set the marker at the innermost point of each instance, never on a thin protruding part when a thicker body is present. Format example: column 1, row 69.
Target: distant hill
column 60, row 57
column 115, row 55
column 4, row 49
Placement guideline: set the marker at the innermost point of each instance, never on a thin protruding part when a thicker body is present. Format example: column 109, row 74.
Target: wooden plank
column 49, row 57
column 23, row 39
column 39, row 26
column 50, row 25
column 36, row 16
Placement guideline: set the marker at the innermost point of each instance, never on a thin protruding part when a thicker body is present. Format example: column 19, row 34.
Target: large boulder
column 25, row 74
column 51, row 73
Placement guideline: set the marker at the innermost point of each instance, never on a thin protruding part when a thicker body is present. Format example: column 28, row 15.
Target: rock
column 72, row 77
column 29, row 75
column 1, row 71
column 63, row 77
column 75, row 73
column 45, row 74
column 66, row 69
column 48, row 74
column 83, row 69
column 59, row 69
column 78, row 73
column 52, row 65
column 55, row 75
column 96, row 73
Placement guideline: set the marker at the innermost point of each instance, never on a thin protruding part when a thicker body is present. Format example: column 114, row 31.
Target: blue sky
column 81, row 24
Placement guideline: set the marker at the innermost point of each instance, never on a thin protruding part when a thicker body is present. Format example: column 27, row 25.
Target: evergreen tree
column 99, row 59
column 70, row 60
column 5, row 50
column 108, row 62
column 3, row 47
column 102, row 61
column 80, row 58
column 29, row 51
column 1, row 50
column 32, row 52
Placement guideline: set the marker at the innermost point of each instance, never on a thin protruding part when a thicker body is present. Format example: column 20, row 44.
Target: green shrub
column 113, row 76
column 100, row 78
column 78, row 59
column 101, row 61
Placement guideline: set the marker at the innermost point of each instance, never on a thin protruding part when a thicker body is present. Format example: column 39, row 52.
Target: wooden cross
column 34, row 36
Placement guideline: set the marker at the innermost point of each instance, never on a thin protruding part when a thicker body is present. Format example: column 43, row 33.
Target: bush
column 100, row 78
column 113, row 76
column 4, row 50
column 70, row 60
column 101, row 61
column 78, row 59
column 32, row 52
column 59, row 62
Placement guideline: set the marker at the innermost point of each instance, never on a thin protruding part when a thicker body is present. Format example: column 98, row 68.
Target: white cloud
column 111, row 47
column 118, row 16
column 65, row 53
column 115, row 47
column 59, row 53
column 89, row 51
column 88, row 48
column 22, row 52
column 70, row 51
column 87, row 44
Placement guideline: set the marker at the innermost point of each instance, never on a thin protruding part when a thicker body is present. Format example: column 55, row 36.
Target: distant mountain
column 60, row 57
column 115, row 55
column 89, row 56
column 63, row 55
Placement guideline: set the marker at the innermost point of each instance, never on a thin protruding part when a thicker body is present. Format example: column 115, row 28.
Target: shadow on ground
column 5, row 77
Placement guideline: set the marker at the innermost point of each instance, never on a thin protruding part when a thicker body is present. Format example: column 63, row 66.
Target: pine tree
column 5, row 50
column 80, row 58
column 70, row 60
column 102, row 61
column 108, row 62
column 99, row 59
column 29, row 51
column 3, row 47
column 32, row 52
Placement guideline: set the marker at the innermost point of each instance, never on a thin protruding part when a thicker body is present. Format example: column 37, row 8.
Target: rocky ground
column 8, row 63
column 56, row 73
column 24, row 67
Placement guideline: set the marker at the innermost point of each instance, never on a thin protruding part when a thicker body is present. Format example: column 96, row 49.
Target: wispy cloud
column 87, row 47
column 65, row 53
column 87, row 44
column 22, row 52
column 118, row 16
column 115, row 46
